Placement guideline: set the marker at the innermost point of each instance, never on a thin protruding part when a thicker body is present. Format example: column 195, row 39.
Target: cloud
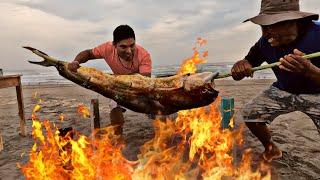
column 70, row 9
column 22, row 25
column 168, row 29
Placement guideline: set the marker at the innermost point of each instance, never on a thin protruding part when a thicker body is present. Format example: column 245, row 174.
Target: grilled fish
column 160, row 96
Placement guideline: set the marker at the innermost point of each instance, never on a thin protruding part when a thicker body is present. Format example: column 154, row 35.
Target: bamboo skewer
column 308, row 56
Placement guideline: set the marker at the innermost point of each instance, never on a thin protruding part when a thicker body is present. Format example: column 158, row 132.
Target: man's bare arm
column 82, row 57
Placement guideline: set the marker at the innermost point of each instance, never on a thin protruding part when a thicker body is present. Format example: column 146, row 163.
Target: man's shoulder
column 139, row 47
column 141, row 50
column 313, row 29
column 312, row 36
column 103, row 50
column 108, row 44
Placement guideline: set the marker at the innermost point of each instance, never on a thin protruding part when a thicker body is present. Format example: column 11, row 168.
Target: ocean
column 48, row 76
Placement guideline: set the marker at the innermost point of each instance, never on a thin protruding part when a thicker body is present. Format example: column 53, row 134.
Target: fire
column 61, row 117
column 83, row 110
column 190, row 65
column 36, row 108
column 192, row 146
column 55, row 156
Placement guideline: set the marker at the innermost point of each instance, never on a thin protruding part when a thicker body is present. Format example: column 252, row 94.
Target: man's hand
column 73, row 66
column 241, row 69
column 82, row 57
column 296, row 63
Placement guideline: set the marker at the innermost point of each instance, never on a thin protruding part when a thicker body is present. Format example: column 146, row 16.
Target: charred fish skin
column 139, row 93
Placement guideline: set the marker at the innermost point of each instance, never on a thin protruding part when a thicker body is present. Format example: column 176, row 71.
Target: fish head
column 198, row 90
column 199, row 80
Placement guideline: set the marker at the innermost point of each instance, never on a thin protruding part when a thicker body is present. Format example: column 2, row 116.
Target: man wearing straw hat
column 287, row 34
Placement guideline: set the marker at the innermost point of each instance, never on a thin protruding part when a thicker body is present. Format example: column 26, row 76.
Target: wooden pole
column 21, row 108
column 95, row 119
column 1, row 143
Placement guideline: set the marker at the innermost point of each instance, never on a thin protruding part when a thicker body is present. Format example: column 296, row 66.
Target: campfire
column 192, row 146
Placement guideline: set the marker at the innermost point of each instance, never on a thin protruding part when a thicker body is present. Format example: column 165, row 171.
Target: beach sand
column 294, row 133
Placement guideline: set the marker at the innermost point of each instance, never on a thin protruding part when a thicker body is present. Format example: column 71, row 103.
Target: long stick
column 308, row 56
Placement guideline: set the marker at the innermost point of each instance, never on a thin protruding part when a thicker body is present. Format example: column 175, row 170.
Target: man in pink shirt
column 123, row 56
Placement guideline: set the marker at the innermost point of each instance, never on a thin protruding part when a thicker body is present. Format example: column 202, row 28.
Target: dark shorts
column 274, row 102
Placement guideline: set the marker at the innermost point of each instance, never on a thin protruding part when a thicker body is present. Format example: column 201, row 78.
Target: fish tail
column 48, row 61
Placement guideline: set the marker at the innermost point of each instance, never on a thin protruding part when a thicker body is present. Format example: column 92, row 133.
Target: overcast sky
column 166, row 28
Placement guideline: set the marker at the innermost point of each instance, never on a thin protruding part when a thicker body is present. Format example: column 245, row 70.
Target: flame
column 231, row 123
column 190, row 64
column 201, row 41
column 61, row 117
column 36, row 108
column 83, row 110
column 63, row 157
column 192, row 146
column 36, row 96
column 200, row 147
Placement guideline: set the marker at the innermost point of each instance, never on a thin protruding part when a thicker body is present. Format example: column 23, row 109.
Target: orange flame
column 56, row 157
column 197, row 146
column 36, row 108
column 190, row 65
column 201, row 41
column 191, row 146
column 83, row 110
column 61, row 117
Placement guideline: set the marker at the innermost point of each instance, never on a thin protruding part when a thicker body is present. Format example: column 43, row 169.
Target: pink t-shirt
column 141, row 59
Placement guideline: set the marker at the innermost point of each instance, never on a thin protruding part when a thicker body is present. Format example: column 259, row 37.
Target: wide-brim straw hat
column 274, row 11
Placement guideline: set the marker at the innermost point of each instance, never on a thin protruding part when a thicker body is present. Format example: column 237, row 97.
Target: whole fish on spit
column 165, row 95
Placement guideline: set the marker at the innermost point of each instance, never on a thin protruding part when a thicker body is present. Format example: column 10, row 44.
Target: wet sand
column 294, row 133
